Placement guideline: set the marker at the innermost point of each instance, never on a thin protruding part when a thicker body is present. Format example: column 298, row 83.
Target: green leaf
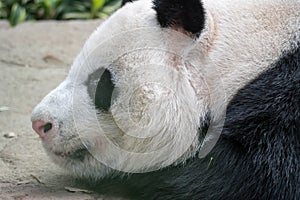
column 18, row 14
column 2, row 10
column 97, row 4
column 102, row 15
column 17, row 11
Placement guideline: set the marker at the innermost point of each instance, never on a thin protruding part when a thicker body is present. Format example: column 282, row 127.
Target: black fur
column 257, row 156
column 126, row 1
column 100, row 90
column 188, row 14
column 104, row 91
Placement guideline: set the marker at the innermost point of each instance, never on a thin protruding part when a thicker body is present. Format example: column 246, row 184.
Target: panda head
column 152, row 77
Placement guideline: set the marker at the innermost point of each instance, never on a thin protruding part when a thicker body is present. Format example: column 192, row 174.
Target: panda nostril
column 47, row 127
column 43, row 128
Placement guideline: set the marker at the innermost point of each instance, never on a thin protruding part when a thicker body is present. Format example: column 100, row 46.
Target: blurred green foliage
column 17, row 11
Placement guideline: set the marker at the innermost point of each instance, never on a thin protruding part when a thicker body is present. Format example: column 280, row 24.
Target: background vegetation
column 17, row 11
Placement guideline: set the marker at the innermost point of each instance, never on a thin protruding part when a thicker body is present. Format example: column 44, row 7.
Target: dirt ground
column 34, row 59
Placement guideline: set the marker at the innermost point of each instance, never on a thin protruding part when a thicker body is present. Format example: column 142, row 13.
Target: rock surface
column 34, row 59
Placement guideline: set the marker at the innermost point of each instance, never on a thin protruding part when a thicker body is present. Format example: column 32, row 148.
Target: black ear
column 125, row 1
column 188, row 14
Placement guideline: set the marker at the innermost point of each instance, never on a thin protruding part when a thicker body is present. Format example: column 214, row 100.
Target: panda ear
column 125, row 1
column 187, row 14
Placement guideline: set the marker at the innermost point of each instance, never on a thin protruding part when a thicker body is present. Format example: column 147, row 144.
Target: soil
column 34, row 59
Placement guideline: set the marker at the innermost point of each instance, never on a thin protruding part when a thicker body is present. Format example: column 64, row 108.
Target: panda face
column 141, row 90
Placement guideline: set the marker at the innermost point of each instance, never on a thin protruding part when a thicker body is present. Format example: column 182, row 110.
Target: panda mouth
column 78, row 154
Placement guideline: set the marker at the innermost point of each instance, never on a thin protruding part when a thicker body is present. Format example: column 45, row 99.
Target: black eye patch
column 100, row 90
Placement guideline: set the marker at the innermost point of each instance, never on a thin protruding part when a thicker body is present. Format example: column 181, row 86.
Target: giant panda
column 183, row 99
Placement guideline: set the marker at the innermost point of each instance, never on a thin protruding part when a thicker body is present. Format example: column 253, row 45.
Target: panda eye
column 100, row 90
column 104, row 91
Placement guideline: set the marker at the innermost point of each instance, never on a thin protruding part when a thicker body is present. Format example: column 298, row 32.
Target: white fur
column 166, row 81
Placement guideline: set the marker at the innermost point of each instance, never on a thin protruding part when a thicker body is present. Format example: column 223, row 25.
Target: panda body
column 194, row 100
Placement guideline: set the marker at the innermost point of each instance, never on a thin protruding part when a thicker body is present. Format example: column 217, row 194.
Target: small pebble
column 4, row 108
column 10, row 135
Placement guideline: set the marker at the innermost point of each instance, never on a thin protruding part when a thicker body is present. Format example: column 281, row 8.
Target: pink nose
column 43, row 128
